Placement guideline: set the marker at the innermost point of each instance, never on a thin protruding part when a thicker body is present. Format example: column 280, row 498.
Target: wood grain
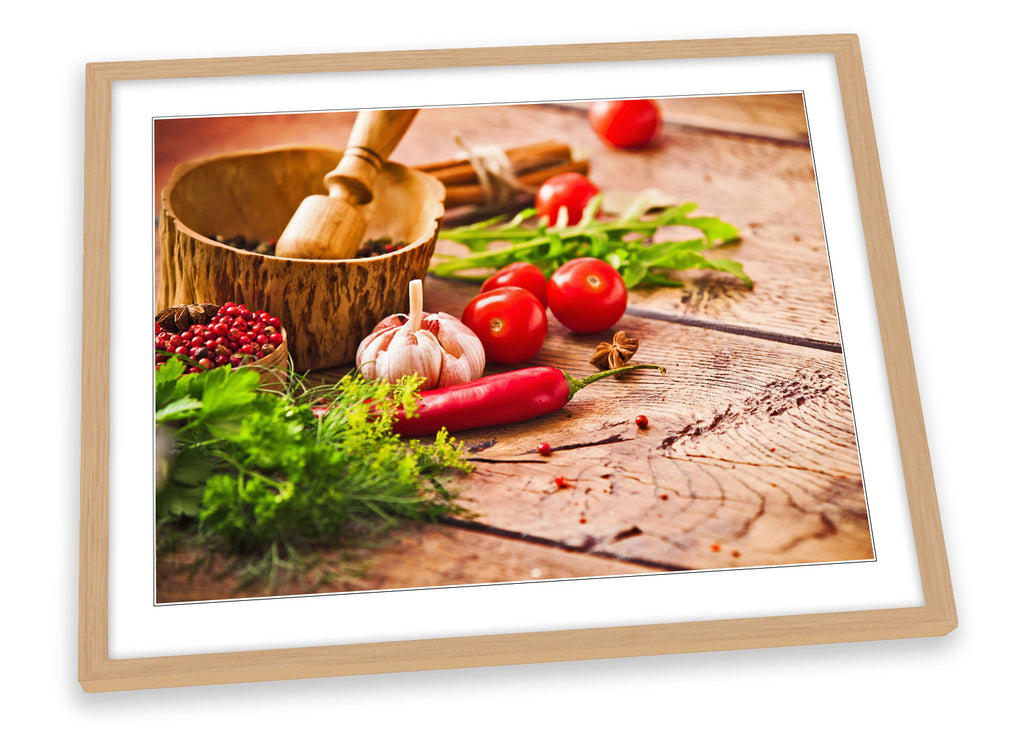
column 454, row 554
column 765, row 186
column 774, row 116
column 755, row 449
column 751, row 442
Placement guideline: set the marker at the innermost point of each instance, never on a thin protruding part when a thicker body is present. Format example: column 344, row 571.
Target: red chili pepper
column 500, row 399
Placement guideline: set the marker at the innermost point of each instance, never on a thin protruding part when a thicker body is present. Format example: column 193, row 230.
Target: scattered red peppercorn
column 641, row 422
column 560, row 482
column 715, row 547
column 544, row 449
column 735, row 554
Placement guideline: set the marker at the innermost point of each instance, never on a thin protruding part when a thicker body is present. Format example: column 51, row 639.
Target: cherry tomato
column 569, row 190
column 587, row 295
column 626, row 123
column 510, row 322
column 520, row 274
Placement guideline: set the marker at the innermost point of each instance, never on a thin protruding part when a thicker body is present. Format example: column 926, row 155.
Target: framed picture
column 692, row 235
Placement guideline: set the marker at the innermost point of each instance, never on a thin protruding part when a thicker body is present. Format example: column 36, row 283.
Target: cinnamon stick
column 473, row 194
column 522, row 159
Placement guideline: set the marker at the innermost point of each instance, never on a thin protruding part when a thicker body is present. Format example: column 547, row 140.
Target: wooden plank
column 792, row 297
column 778, row 116
column 766, row 187
column 417, row 557
column 751, row 442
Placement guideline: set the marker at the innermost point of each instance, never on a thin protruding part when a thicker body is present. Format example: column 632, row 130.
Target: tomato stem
column 576, row 384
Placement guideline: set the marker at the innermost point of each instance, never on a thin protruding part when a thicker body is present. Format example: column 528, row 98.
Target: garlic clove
column 464, row 353
column 410, row 352
column 371, row 345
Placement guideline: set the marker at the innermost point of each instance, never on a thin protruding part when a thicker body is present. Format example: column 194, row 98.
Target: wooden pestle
column 332, row 226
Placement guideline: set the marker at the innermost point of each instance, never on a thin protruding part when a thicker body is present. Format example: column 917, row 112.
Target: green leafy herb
column 627, row 243
column 260, row 471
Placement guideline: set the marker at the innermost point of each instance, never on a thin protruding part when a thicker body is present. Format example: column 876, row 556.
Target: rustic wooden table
column 750, row 457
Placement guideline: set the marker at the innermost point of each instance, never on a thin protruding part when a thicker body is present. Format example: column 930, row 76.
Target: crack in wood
column 626, row 534
column 670, row 124
column 585, row 549
column 749, row 522
column 572, row 446
column 482, row 445
column 756, row 464
column 603, row 441
column 745, row 331
column 828, row 529
column 775, row 399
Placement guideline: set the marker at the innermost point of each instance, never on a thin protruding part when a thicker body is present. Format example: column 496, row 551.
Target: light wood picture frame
column 99, row 671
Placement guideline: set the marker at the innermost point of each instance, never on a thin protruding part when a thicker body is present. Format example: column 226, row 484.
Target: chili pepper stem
column 576, row 384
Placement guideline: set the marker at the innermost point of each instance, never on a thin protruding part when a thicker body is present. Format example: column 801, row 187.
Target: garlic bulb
column 436, row 346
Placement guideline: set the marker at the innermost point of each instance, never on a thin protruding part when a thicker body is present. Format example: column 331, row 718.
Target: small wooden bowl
column 327, row 306
column 273, row 367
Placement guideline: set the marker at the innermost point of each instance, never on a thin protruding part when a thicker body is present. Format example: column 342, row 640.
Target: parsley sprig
column 259, row 471
column 627, row 243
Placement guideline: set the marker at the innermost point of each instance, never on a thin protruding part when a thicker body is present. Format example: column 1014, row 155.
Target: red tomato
column 626, row 123
column 520, row 274
column 510, row 322
column 587, row 295
column 569, row 190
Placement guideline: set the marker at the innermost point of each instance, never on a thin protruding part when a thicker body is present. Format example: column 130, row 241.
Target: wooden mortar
column 327, row 306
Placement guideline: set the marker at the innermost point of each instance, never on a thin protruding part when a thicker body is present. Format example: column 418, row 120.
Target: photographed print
column 491, row 344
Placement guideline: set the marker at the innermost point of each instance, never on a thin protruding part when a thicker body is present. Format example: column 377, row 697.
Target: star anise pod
column 614, row 354
column 181, row 317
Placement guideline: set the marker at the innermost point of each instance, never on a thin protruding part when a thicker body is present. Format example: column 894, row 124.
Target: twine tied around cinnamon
column 494, row 171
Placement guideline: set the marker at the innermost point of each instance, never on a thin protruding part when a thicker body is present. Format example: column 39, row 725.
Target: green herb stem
column 576, row 384
column 628, row 244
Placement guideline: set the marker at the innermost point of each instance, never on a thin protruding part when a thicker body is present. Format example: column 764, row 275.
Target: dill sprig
column 261, row 473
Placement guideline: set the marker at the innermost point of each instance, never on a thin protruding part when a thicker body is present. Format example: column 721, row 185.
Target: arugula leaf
column 627, row 243
column 633, row 273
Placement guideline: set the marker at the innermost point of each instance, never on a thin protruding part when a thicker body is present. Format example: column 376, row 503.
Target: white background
column 943, row 94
